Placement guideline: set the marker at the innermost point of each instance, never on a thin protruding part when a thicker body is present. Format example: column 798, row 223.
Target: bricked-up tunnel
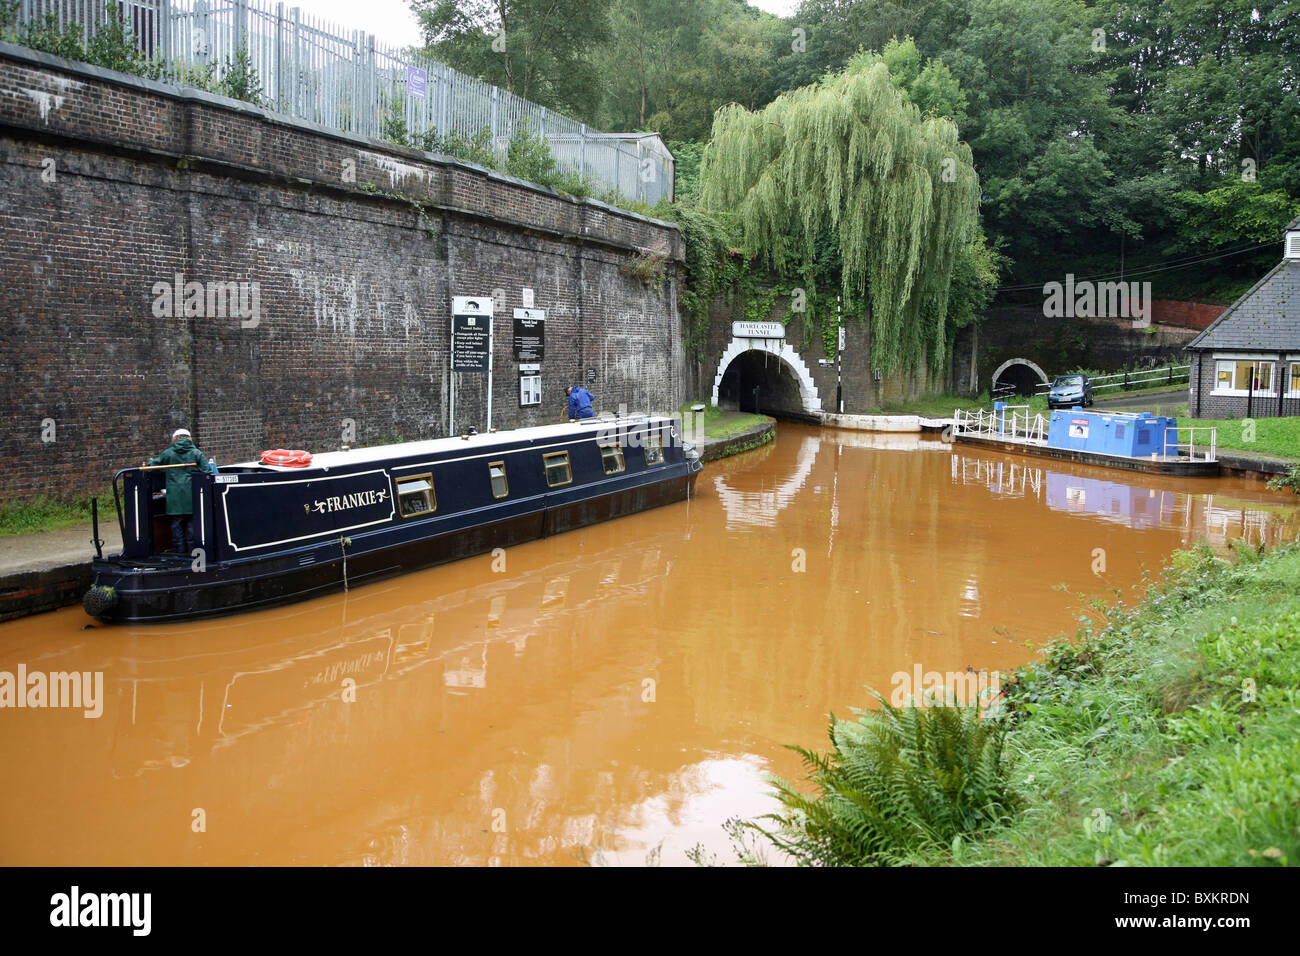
column 1020, row 375
column 773, row 381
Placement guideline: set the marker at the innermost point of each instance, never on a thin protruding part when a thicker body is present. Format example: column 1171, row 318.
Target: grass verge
column 721, row 424
column 1164, row 734
column 1267, row 436
column 48, row 514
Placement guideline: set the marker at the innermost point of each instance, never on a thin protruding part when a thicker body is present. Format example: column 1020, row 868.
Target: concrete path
column 42, row 550
column 1142, row 402
column 885, row 423
column 1255, row 463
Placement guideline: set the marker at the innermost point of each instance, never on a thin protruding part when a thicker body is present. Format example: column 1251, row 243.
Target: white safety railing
column 1169, row 375
column 1013, row 423
column 347, row 80
column 1208, row 451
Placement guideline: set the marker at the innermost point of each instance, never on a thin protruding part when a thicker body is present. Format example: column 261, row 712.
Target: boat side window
column 415, row 496
column 653, row 444
column 500, row 486
column 611, row 456
column 557, row 467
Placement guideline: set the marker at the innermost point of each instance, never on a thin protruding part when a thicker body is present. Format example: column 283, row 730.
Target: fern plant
column 897, row 780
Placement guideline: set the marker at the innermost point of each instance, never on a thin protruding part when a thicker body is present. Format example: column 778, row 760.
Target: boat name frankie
column 357, row 499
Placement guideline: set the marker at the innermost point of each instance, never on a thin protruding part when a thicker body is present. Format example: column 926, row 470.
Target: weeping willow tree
column 852, row 159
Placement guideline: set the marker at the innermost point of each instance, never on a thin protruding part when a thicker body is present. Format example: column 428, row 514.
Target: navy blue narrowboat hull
column 268, row 536
column 171, row 590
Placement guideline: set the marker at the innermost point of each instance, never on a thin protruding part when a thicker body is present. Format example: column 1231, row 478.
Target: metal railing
column 1171, row 374
column 1018, row 426
column 347, row 80
column 1189, row 448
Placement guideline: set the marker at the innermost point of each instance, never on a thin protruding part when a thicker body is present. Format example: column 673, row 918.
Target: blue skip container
column 1110, row 433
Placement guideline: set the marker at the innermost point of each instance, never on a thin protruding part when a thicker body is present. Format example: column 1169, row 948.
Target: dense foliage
column 1138, row 137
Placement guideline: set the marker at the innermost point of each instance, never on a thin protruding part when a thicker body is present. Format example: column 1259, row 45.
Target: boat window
column 415, row 496
column 654, row 449
column 557, row 468
column 611, row 456
column 500, row 486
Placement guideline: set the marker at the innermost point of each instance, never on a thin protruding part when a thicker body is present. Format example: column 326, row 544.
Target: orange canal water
column 611, row 695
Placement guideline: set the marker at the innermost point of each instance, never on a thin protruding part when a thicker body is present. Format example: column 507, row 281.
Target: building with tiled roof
column 1247, row 363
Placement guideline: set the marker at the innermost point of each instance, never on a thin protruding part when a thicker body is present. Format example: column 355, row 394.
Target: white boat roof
column 432, row 446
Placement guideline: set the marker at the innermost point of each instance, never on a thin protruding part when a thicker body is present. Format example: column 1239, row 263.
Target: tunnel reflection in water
column 610, row 691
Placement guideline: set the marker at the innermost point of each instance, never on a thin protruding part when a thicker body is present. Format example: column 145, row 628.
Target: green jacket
column 180, row 498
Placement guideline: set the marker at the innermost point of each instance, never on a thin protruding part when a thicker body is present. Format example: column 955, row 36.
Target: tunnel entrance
column 758, row 381
column 1017, row 376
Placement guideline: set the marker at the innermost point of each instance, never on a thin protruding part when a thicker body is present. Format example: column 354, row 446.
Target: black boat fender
column 100, row 601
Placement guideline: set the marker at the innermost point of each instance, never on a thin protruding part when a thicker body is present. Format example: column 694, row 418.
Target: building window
column 500, row 487
column 1243, row 377
column 654, row 449
column 557, row 468
column 415, row 496
column 1294, row 387
column 611, row 456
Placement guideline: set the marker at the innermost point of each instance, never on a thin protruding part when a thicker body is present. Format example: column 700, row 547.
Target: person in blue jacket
column 580, row 402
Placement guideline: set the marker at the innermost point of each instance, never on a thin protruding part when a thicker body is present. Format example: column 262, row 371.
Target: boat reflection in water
column 346, row 684
column 1147, row 503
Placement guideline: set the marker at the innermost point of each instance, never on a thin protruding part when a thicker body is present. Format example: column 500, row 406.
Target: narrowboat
column 267, row 534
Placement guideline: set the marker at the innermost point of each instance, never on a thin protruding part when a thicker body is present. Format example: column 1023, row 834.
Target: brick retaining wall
column 111, row 185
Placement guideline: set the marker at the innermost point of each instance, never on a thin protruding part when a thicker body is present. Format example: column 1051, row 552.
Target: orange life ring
column 286, row 459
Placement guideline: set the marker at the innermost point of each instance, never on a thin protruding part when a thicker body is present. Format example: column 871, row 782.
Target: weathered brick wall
column 110, row 184
column 1191, row 315
column 1060, row 344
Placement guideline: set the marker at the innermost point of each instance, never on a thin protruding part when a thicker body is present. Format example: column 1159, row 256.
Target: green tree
column 541, row 50
column 649, row 38
column 834, row 30
column 716, row 52
column 1218, row 81
column 1232, row 214
column 851, row 159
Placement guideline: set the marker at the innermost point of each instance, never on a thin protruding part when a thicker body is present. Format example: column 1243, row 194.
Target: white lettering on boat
column 358, row 499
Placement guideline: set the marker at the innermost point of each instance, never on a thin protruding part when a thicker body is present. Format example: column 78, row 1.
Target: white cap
column 180, row 433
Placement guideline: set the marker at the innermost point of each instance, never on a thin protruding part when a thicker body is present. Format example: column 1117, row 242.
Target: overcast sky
column 392, row 22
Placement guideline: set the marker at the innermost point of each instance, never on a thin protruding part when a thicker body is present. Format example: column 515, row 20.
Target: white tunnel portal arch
column 783, row 351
